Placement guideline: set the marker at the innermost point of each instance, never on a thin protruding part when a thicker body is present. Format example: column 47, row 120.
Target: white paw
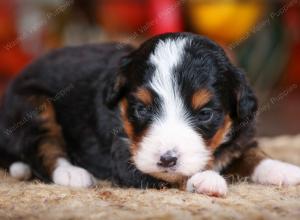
column 20, row 171
column 68, row 175
column 208, row 183
column 274, row 172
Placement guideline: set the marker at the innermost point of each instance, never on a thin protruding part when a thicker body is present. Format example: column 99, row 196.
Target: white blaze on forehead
column 165, row 57
column 171, row 130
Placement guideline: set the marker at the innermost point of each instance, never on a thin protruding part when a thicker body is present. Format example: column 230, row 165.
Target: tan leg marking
column 51, row 147
column 245, row 165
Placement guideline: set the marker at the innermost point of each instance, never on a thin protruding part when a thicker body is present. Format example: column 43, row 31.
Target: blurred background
column 260, row 36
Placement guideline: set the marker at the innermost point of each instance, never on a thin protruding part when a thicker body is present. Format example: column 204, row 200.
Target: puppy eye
column 141, row 111
column 205, row 115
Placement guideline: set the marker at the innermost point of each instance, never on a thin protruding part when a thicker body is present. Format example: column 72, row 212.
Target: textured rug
column 34, row 200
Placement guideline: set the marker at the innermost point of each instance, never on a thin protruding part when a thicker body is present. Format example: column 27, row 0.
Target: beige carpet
column 33, row 200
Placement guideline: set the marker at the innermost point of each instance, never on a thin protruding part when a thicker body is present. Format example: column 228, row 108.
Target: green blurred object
column 264, row 56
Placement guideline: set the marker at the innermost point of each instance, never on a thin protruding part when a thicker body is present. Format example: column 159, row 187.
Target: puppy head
column 179, row 99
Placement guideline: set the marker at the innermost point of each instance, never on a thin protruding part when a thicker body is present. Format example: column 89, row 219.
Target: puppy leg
column 20, row 171
column 275, row 172
column 261, row 169
column 208, row 182
column 51, row 152
column 68, row 175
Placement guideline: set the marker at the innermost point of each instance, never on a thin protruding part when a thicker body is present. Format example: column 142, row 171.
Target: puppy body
column 66, row 89
column 173, row 111
column 60, row 81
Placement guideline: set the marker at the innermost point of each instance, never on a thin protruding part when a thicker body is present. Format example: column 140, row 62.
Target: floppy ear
column 245, row 99
column 117, row 84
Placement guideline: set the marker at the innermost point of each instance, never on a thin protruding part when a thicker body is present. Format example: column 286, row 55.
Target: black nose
column 168, row 159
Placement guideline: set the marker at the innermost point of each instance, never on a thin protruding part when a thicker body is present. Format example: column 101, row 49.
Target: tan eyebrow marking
column 200, row 98
column 144, row 95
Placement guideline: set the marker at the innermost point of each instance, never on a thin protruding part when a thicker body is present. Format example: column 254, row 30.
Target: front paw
column 209, row 183
column 274, row 172
column 72, row 176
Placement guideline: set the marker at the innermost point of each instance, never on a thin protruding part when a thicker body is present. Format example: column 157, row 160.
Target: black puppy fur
column 85, row 85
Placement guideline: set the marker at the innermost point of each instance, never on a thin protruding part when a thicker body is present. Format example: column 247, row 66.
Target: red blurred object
column 292, row 20
column 141, row 16
column 7, row 21
column 13, row 59
column 165, row 15
column 122, row 15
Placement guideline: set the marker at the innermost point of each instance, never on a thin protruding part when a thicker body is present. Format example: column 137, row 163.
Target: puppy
column 173, row 112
